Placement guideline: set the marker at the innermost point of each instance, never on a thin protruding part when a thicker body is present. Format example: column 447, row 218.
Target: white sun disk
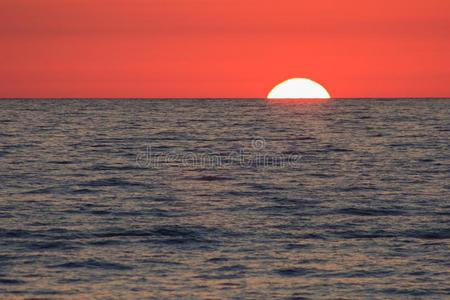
column 298, row 88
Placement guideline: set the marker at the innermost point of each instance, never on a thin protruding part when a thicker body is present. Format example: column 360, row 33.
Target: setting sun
column 298, row 88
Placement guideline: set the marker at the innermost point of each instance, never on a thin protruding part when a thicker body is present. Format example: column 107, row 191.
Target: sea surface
column 224, row 199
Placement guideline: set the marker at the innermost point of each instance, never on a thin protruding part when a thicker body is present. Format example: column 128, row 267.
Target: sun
column 298, row 88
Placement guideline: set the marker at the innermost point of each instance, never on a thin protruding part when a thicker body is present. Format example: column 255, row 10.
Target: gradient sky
column 223, row 48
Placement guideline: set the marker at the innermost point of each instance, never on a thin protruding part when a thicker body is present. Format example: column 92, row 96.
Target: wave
column 93, row 264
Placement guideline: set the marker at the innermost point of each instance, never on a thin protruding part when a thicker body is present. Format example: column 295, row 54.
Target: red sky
column 223, row 48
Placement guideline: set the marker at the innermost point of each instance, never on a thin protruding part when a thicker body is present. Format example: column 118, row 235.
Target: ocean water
column 224, row 199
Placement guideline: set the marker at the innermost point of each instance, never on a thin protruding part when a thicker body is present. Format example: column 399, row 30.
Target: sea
column 224, row 199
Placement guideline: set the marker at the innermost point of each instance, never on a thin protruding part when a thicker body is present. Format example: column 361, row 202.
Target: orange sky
column 223, row 48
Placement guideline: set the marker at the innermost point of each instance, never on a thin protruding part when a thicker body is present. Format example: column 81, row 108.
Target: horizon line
column 219, row 98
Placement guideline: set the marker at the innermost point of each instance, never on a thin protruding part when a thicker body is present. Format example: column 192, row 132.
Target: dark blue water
column 151, row 199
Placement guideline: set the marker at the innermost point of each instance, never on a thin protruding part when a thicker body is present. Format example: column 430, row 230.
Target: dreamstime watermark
column 253, row 157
